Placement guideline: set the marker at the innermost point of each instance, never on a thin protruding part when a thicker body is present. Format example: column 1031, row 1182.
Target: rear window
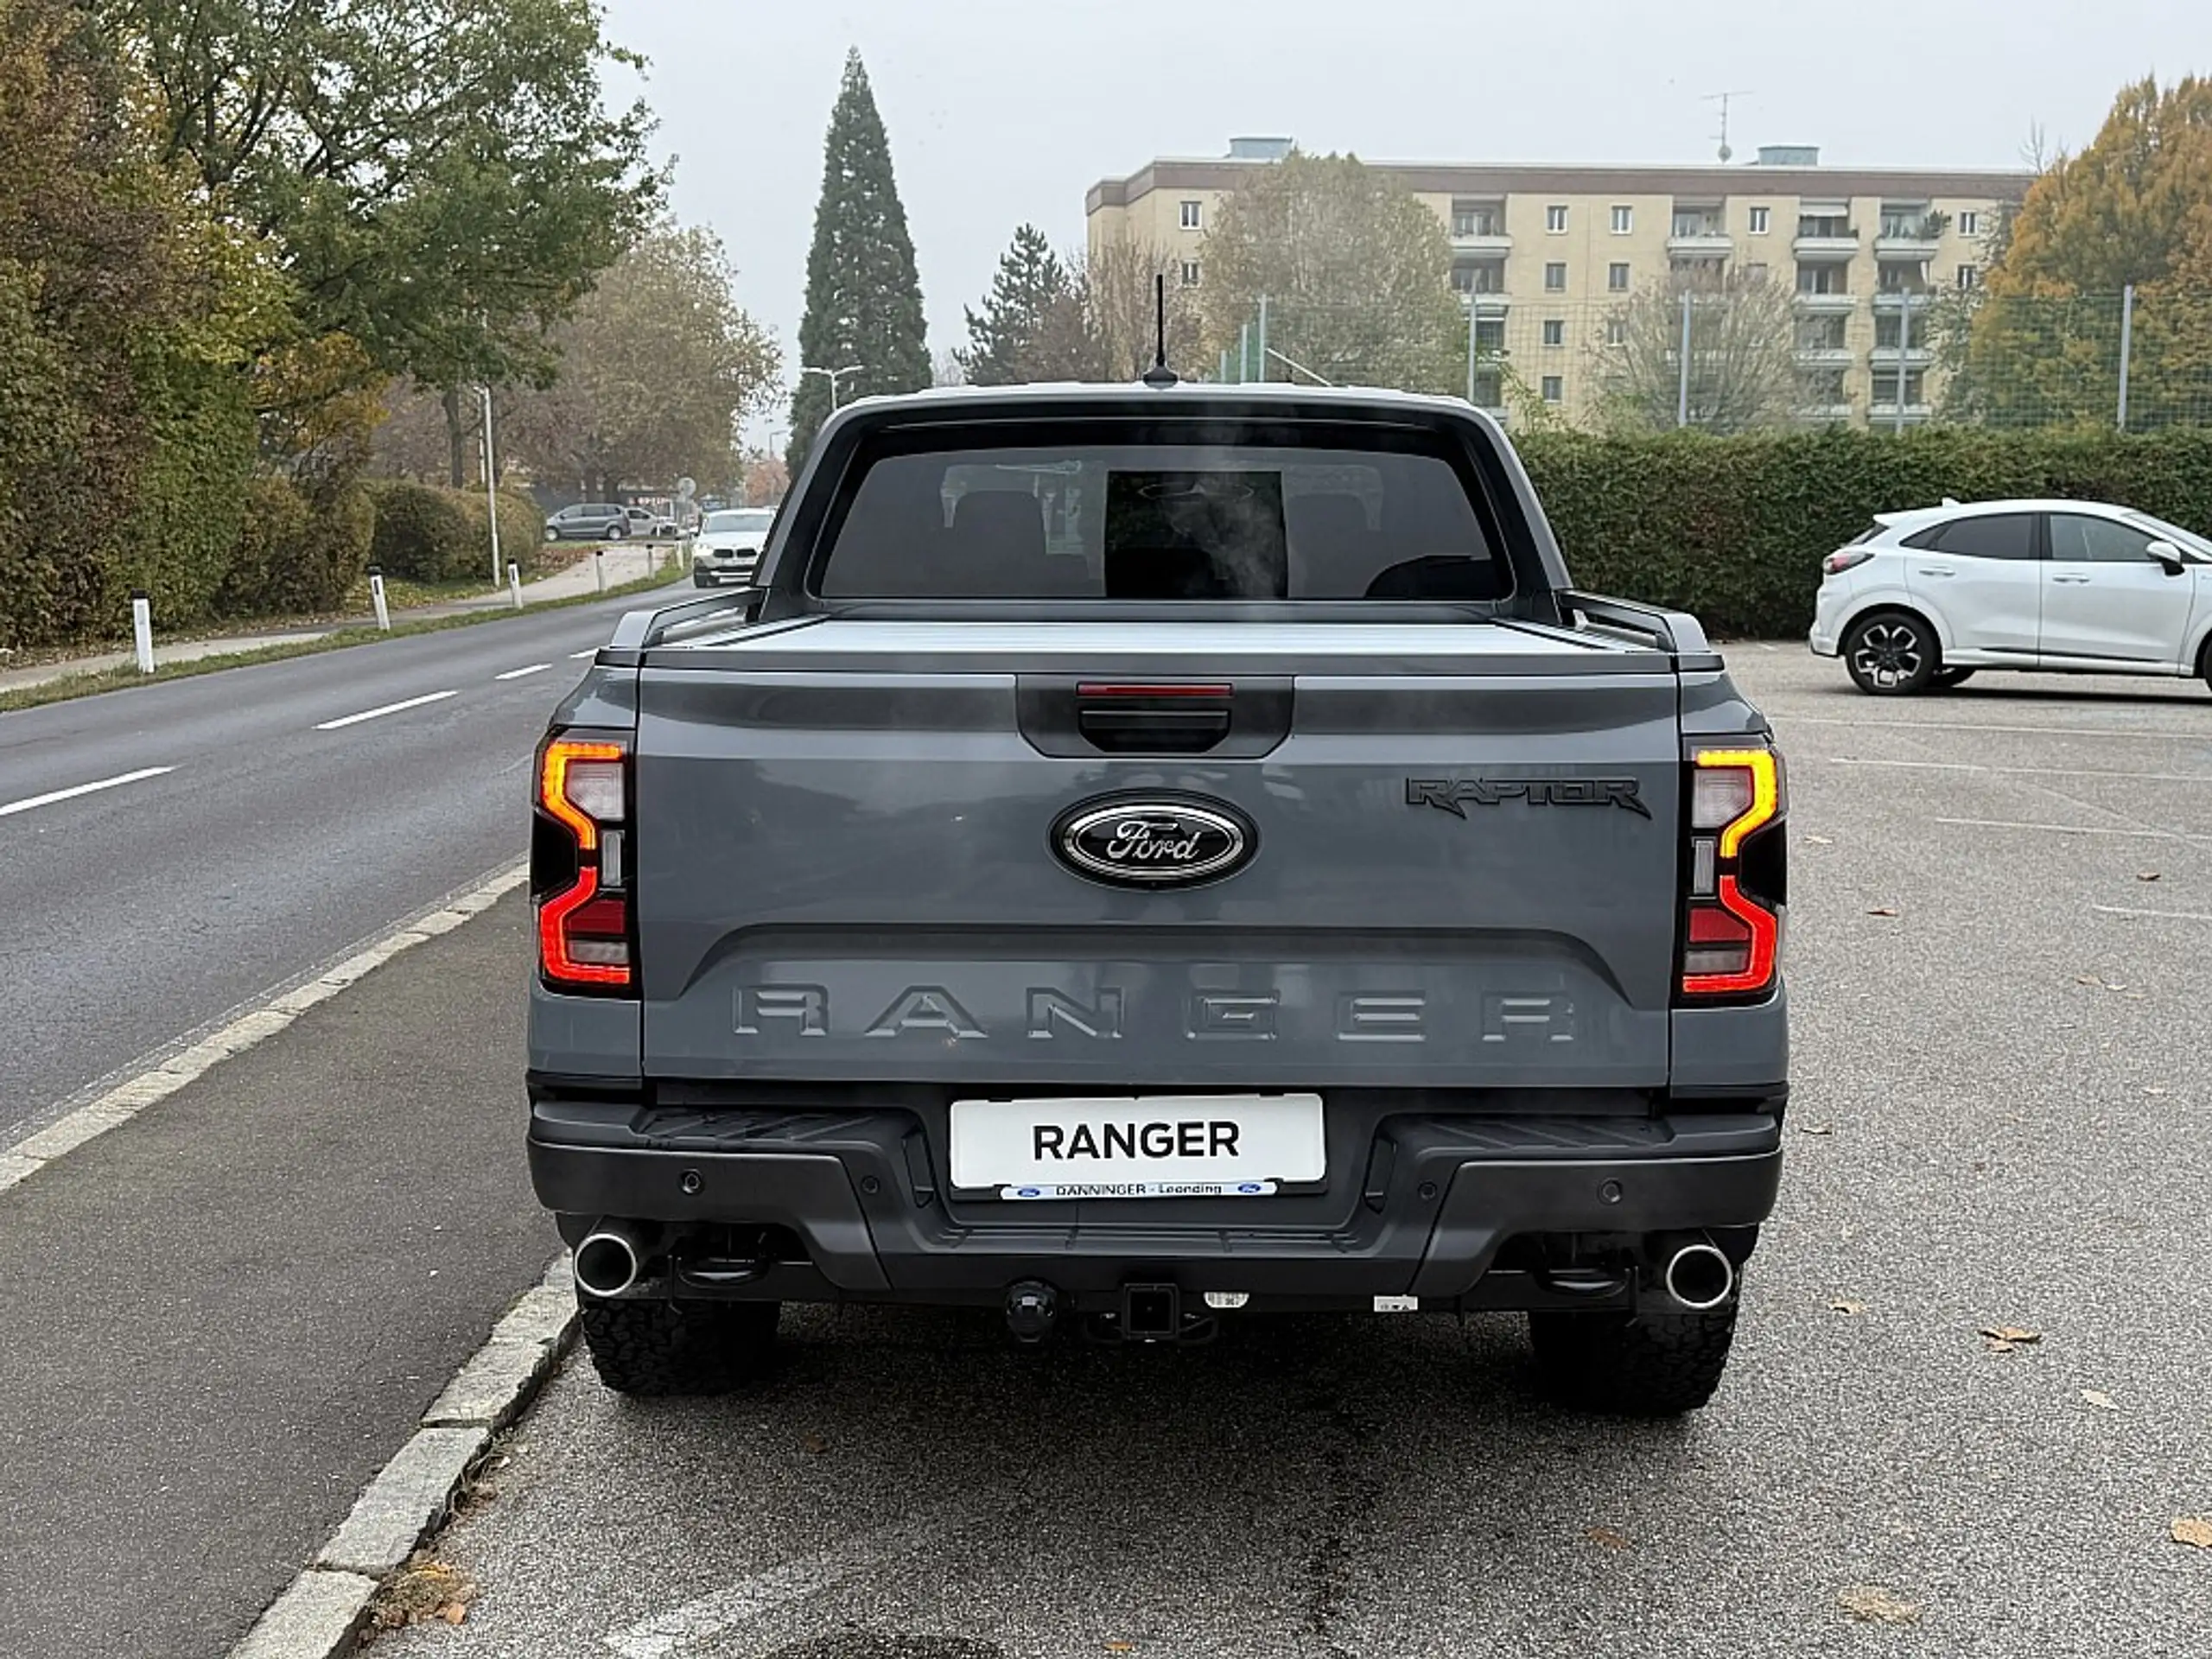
column 1161, row 520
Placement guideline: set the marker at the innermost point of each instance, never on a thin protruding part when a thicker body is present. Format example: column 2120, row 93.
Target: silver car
column 728, row 546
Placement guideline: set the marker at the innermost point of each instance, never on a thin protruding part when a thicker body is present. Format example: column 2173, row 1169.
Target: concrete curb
column 321, row 1611
column 119, row 1104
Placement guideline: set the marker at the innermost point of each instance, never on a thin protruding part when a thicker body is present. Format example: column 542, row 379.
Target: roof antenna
column 1160, row 377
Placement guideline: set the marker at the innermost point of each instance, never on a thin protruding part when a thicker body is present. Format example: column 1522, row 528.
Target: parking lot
column 2003, row 906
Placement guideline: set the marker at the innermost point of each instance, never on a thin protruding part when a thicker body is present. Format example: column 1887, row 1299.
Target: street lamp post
column 833, row 376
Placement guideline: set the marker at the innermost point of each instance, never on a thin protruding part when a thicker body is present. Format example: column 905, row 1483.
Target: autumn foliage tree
column 2133, row 209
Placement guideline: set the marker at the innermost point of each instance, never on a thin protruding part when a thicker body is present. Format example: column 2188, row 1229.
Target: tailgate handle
column 1126, row 730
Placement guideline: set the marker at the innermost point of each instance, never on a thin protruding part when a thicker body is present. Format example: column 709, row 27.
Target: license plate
column 1138, row 1146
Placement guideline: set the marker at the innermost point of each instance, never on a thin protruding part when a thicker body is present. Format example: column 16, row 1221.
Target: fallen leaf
column 1876, row 1606
column 1846, row 1305
column 1606, row 1536
column 1121, row 1647
column 2100, row 1400
column 2012, row 1333
column 453, row 1611
column 2195, row 1531
column 813, row 1443
column 1881, row 910
column 2146, row 876
column 2154, row 1089
column 2087, row 979
column 1816, row 1128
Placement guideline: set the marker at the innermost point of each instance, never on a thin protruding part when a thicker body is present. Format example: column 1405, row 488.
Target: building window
column 1822, row 278
column 1617, row 276
column 1555, row 331
column 1885, row 387
column 1556, row 216
column 1490, row 389
column 1191, row 215
column 1615, row 331
column 1623, row 220
column 1479, row 276
column 1969, row 222
column 1476, row 218
column 1555, row 277
column 1970, row 277
column 1489, row 334
column 1554, row 388
column 1190, row 273
column 1760, row 218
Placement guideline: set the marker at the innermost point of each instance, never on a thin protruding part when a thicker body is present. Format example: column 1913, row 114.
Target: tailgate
column 852, row 861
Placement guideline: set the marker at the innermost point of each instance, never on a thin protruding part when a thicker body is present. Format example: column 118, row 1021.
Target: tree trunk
column 456, row 444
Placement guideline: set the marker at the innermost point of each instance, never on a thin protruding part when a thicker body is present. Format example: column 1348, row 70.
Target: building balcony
column 1881, row 415
column 1495, row 244
column 1486, row 301
column 1907, row 238
column 1915, row 357
column 1895, row 299
column 1826, row 304
column 1826, row 247
column 1824, row 414
column 1701, row 245
column 1828, row 357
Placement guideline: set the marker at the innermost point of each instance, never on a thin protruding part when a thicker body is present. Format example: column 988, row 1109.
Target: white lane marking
column 2160, row 915
column 389, row 709
column 578, row 656
column 796, row 1580
column 70, row 794
column 120, row 1104
column 2069, row 829
column 519, row 673
column 1976, row 726
column 2027, row 771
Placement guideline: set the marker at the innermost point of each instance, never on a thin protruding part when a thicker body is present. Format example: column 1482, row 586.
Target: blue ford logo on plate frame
column 1154, row 840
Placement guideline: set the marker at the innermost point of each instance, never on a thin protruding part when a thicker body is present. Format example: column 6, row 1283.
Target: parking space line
column 1977, row 725
column 388, row 709
column 2158, row 915
column 521, row 673
column 70, row 794
column 796, row 1580
column 2026, row 771
column 2069, row 829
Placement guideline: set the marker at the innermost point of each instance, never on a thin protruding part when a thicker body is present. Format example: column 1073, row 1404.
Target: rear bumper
column 1440, row 1198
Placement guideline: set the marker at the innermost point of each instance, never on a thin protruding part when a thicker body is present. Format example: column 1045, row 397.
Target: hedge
column 1732, row 530
column 298, row 549
column 428, row 533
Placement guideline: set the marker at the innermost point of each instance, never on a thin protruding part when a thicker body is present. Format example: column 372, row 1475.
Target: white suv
column 1924, row 598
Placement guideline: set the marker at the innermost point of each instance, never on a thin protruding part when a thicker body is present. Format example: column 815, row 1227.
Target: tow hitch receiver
column 1151, row 1313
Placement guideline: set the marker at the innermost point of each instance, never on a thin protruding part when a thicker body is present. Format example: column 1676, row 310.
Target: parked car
column 1252, row 882
column 728, row 545
column 1924, row 599
column 598, row 521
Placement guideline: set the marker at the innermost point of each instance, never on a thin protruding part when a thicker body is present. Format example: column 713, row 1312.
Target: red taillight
column 1843, row 559
column 1731, row 934
column 583, row 921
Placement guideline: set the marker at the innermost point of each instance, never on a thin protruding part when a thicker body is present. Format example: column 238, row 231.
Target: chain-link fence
column 1755, row 356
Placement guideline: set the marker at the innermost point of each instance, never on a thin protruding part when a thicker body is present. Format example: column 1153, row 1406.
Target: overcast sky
column 1001, row 111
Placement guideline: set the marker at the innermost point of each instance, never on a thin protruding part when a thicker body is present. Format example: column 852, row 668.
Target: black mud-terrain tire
column 1947, row 677
column 656, row 1347
column 1892, row 654
column 1643, row 1364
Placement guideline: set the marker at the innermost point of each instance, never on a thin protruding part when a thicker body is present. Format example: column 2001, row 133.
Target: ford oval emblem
column 1154, row 841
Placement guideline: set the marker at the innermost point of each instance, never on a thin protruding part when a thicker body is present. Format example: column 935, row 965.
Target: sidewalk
column 625, row 563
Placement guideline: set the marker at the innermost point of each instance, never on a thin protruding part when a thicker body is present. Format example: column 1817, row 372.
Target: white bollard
column 514, row 582
column 599, row 566
column 141, row 629
column 376, row 597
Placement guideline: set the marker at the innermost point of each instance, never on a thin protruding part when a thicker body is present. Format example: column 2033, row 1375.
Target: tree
column 1107, row 329
column 1030, row 283
column 2041, row 342
column 656, row 371
column 1356, row 270
column 1742, row 367
column 440, row 177
column 863, row 295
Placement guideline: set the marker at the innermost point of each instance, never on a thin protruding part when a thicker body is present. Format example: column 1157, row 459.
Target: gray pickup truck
column 1140, row 857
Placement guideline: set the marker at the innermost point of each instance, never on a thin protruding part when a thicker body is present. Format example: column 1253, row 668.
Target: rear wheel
column 1641, row 1364
column 1890, row 653
column 616, row 532
column 655, row 1347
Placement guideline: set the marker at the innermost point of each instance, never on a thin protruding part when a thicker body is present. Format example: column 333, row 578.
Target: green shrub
column 522, row 529
column 1733, row 529
column 298, row 549
column 427, row 533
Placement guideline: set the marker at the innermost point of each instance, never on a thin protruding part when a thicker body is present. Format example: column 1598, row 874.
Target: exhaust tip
column 1699, row 1277
column 606, row 1264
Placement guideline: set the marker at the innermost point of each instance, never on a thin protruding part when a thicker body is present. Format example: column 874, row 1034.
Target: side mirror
column 2169, row 557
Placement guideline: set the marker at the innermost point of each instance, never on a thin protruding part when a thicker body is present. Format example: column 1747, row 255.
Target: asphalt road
column 224, row 842
column 224, row 1317
column 2003, row 1118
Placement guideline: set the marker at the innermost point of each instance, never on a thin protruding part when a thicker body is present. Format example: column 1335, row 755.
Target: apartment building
column 1546, row 255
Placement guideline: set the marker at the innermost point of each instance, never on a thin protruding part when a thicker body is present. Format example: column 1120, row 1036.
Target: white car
column 729, row 544
column 1925, row 598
